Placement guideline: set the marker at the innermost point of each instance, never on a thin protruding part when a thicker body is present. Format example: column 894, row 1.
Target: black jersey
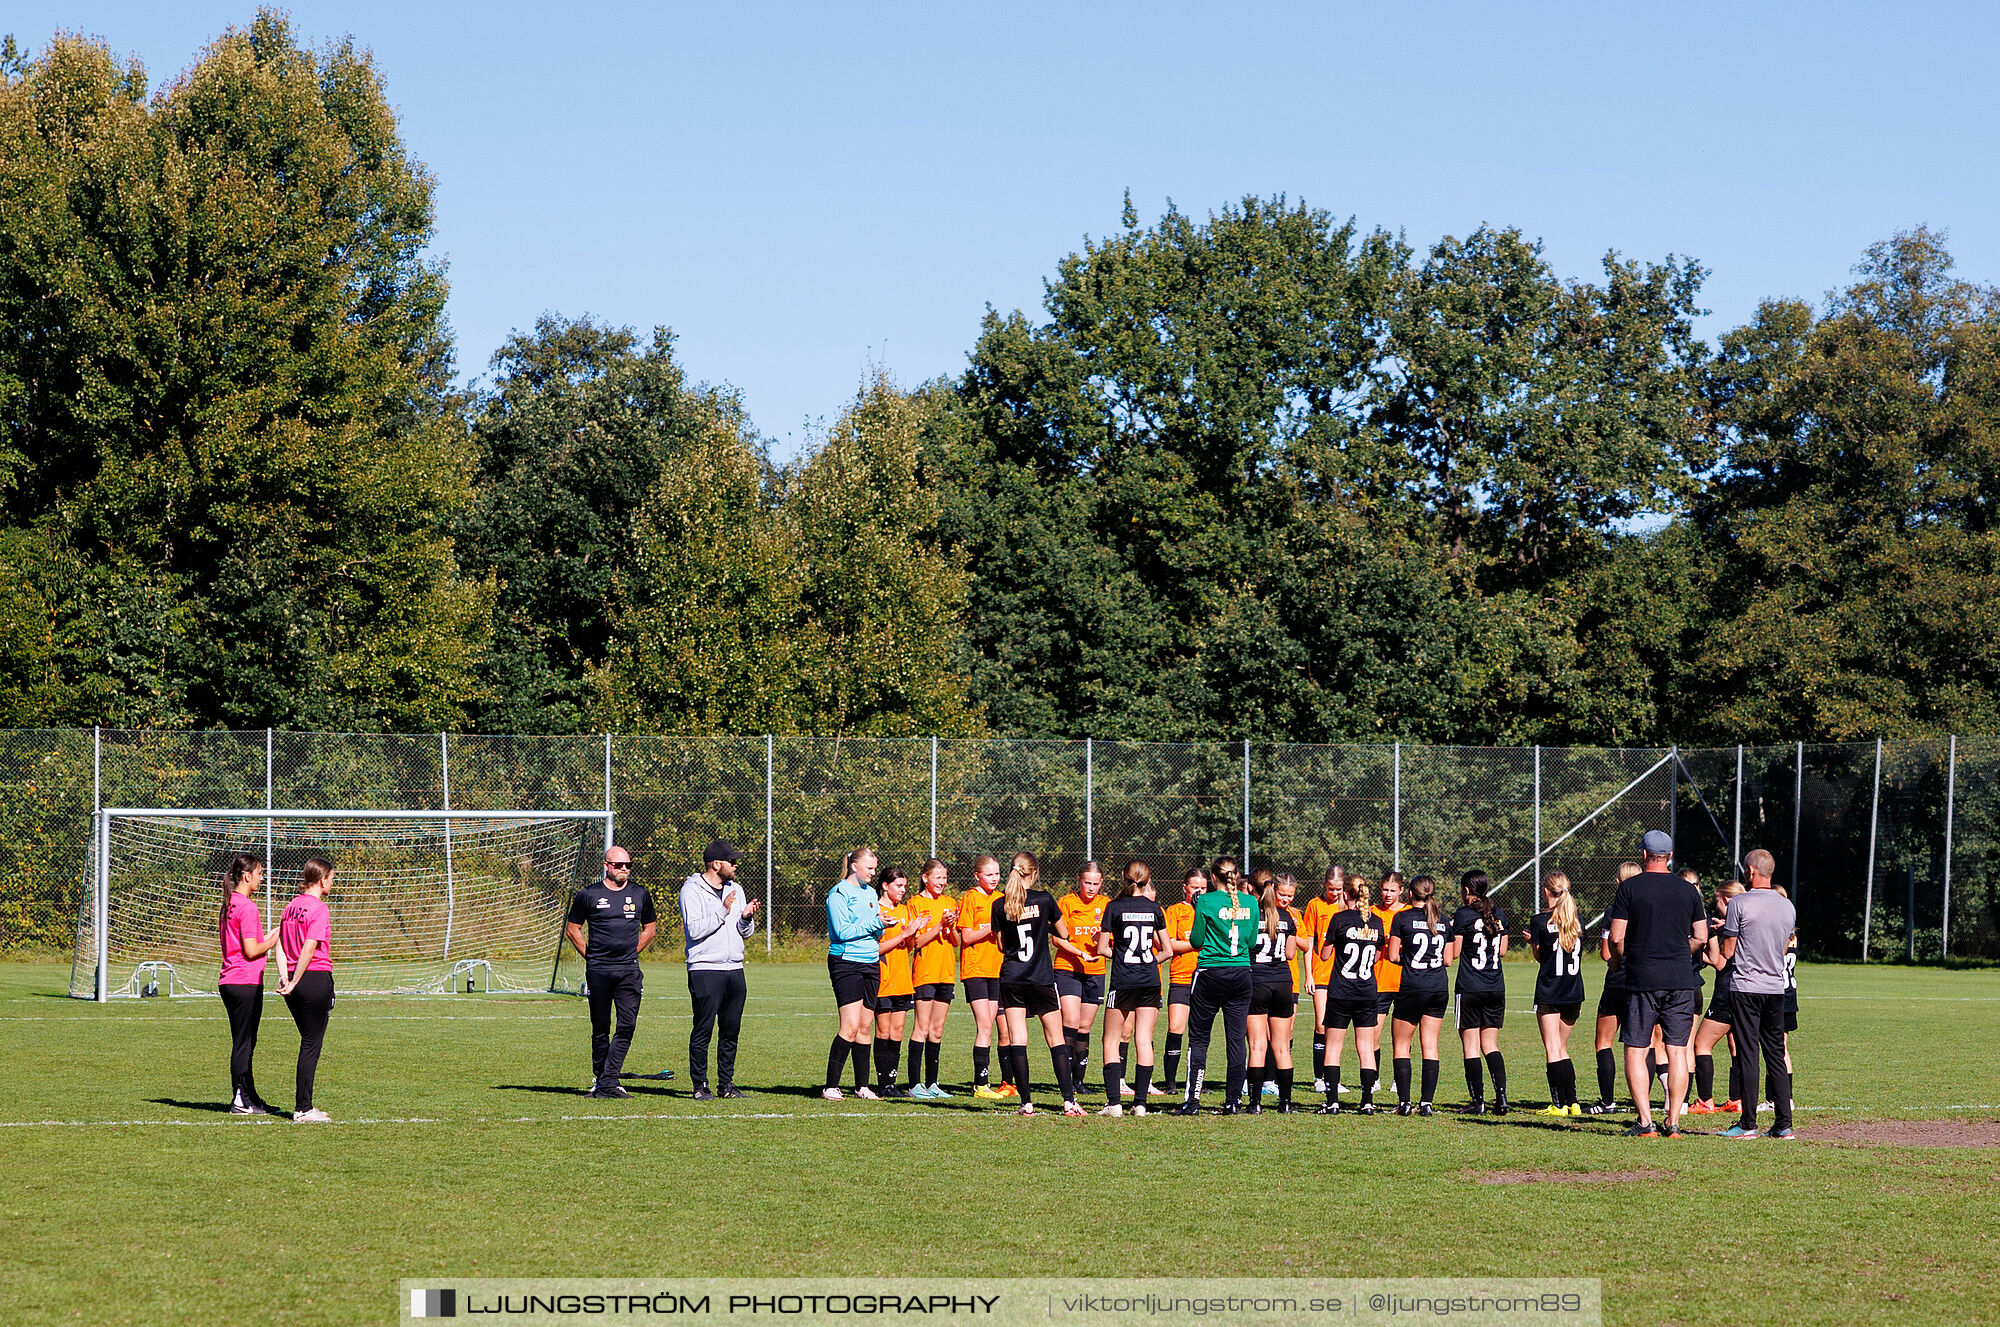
column 1356, row 937
column 1479, row 953
column 614, row 918
column 1024, row 943
column 1614, row 969
column 1423, row 951
column 1137, row 927
column 1721, row 973
column 1792, row 976
column 1271, row 951
column 1560, row 980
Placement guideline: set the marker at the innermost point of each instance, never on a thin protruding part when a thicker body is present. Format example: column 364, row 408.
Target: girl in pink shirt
column 241, row 982
column 306, row 932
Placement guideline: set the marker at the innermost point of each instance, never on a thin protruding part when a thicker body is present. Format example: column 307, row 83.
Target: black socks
column 917, row 1061
column 1562, row 1082
column 1284, row 1077
column 1332, row 1077
column 1497, row 1066
column 1113, row 1075
column 982, row 1065
column 1065, row 1079
column 1174, row 1040
column 1370, row 1077
column 1142, row 1086
column 932, row 1049
column 836, row 1060
column 1430, row 1079
column 1607, row 1073
column 1319, row 1054
column 860, row 1054
column 886, row 1055
column 1475, row 1081
column 1704, row 1078
column 1401, row 1068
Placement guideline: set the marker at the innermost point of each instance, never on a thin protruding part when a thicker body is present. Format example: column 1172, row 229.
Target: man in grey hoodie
column 715, row 918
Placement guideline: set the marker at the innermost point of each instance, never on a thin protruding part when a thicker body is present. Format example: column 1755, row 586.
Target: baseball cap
column 1655, row 843
column 719, row 851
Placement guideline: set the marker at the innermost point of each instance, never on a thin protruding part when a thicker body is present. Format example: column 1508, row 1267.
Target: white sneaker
column 1025, row 1108
column 866, row 1094
column 1138, row 1110
column 1114, row 1110
column 1073, row 1110
column 1344, row 1089
column 1319, row 1086
column 1270, row 1089
column 1127, row 1090
column 831, row 1094
column 313, row 1116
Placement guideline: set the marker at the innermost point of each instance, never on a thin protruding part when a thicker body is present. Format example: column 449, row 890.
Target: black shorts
column 1481, row 1009
column 1718, row 1009
column 1791, row 1020
column 937, row 992
column 1361, row 1012
column 1568, row 1013
column 1416, row 1006
column 1276, row 1000
column 1611, row 1003
column 1180, row 992
column 893, row 1004
column 853, row 983
column 982, row 988
column 1126, row 999
column 1037, row 1000
column 1385, row 1004
column 1085, row 986
column 1670, row 1011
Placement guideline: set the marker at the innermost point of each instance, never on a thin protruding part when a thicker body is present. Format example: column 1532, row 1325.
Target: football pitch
column 462, row 1147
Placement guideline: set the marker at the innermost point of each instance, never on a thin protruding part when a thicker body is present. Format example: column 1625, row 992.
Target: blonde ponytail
column 1562, row 913
column 1021, row 878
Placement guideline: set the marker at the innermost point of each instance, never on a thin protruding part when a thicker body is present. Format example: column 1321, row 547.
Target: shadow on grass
column 211, row 1107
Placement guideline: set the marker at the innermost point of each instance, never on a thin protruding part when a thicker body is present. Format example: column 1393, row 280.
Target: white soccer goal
column 423, row 901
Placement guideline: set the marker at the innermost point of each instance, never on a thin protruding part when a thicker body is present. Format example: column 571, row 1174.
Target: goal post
column 423, row 901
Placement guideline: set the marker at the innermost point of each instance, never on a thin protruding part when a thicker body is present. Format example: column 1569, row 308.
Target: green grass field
column 462, row 1148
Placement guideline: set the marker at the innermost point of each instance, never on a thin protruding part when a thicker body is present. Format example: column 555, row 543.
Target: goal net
column 423, row 902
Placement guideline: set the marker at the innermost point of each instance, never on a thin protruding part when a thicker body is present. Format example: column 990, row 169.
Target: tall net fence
column 1892, row 852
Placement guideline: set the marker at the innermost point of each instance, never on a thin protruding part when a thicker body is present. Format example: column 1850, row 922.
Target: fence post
column 1736, row 830
column 771, row 842
column 1396, row 813
column 1089, row 800
column 1246, row 806
column 933, row 851
column 269, row 856
column 1950, row 796
column 1868, row 894
column 1674, row 800
column 101, row 886
column 1799, row 806
column 450, row 890
column 1538, row 817
column 1910, row 911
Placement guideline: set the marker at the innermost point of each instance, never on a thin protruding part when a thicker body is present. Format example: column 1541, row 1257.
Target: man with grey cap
column 715, row 920
column 1658, row 922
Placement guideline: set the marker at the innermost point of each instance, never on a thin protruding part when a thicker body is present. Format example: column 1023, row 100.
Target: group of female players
column 1365, row 954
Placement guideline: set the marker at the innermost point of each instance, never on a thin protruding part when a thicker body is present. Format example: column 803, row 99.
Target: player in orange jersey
column 895, row 992
column 1180, row 971
column 934, row 971
column 1332, row 898
column 1080, row 979
column 979, row 966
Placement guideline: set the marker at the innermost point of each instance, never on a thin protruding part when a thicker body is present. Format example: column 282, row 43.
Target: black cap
column 719, row 851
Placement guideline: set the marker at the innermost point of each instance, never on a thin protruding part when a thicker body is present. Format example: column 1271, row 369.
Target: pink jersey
column 241, row 924
column 306, row 918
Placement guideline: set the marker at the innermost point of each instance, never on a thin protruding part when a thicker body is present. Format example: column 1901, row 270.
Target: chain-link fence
column 1892, row 849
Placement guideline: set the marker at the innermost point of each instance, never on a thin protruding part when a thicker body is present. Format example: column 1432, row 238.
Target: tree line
column 1261, row 474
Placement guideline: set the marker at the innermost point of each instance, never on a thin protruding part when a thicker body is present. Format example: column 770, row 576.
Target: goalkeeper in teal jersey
column 1224, row 932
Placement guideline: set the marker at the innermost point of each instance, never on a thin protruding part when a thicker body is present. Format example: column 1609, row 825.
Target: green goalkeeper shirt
column 1225, row 935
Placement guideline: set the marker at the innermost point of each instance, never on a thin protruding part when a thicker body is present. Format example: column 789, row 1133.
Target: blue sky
column 804, row 191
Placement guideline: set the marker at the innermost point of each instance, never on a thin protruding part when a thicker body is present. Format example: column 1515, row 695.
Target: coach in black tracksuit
column 621, row 921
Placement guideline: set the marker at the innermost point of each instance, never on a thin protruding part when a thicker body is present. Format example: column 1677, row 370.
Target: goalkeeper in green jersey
column 1224, row 933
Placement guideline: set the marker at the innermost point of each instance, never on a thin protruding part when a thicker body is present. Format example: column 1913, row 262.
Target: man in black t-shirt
column 621, row 922
column 1658, row 921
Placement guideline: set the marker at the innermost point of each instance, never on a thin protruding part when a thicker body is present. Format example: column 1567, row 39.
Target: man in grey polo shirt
column 715, row 919
column 1755, row 932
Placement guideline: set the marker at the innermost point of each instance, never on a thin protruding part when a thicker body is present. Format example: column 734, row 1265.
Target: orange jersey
column 1318, row 913
column 1180, row 921
column 937, row 962
column 895, row 979
column 1388, row 976
column 1293, row 957
column 982, row 957
column 1085, row 921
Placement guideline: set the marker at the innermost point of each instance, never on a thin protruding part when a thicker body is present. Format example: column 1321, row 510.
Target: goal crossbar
column 101, row 835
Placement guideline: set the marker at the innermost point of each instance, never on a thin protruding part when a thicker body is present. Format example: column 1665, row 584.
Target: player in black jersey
column 1555, row 938
column 1610, row 1010
column 1350, row 943
column 1028, row 925
column 1134, row 939
column 1274, row 1001
column 1479, row 942
column 1715, row 1024
column 1418, row 939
